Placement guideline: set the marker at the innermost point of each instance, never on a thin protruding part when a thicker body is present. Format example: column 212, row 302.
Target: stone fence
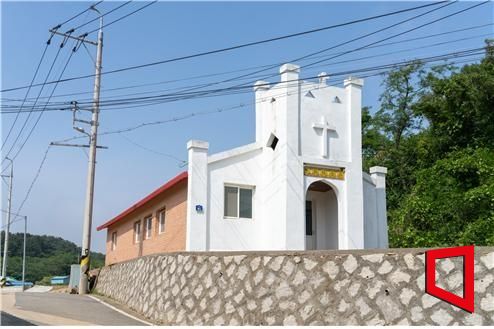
column 364, row 287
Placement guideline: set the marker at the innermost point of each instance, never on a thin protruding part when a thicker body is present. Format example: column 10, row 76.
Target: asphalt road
column 7, row 319
column 75, row 307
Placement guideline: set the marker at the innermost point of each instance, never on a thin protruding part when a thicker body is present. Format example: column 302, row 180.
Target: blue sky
column 125, row 172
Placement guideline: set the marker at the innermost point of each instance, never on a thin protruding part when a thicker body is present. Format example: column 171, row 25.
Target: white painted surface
column 378, row 175
column 325, row 220
column 197, row 185
column 321, row 128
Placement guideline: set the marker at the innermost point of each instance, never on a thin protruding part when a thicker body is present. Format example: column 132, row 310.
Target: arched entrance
column 321, row 217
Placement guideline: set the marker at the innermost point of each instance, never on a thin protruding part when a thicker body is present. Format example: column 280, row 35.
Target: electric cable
column 39, row 94
column 125, row 16
column 41, row 112
column 77, row 15
column 200, row 54
column 25, row 96
column 265, row 65
column 36, row 176
column 97, row 18
column 229, row 90
column 89, row 101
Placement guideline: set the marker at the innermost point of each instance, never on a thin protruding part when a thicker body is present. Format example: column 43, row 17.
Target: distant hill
column 45, row 256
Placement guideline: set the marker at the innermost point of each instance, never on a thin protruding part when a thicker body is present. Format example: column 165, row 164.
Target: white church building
column 299, row 186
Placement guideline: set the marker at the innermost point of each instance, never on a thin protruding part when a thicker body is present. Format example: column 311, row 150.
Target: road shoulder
column 123, row 309
column 8, row 306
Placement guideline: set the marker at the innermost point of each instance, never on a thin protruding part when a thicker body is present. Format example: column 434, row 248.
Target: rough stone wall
column 372, row 287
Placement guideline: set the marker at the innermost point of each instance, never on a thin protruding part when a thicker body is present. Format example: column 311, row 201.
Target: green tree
column 438, row 129
column 459, row 109
column 47, row 256
column 373, row 141
column 451, row 204
column 402, row 88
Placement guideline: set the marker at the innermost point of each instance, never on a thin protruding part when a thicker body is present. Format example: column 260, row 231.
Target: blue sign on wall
column 199, row 208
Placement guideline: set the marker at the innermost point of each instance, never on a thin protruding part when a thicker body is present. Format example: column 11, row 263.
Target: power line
column 13, row 213
column 17, row 218
column 392, row 36
column 58, row 104
column 407, row 31
column 325, row 49
column 25, row 96
column 42, row 86
column 191, row 115
column 181, row 95
column 333, row 63
column 125, row 16
column 34, row 179
column 39, row 94
column 379, row 41
column 152, row 98
column 41, row 112
column 210, row 52
column 370, row 44
column 120, row 132
column 77, row 15
column 244, row 89
column 97, row 18
column 267, row 65
column 166, row 155
column 162, row 98
column 220, row 110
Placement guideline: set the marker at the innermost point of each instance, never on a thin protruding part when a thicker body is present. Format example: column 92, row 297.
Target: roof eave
column 168, row 185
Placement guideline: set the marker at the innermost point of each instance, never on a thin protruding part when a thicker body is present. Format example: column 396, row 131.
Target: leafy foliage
column 396, row 116
column 435, row 133
column 452, row 203
column 46, row 256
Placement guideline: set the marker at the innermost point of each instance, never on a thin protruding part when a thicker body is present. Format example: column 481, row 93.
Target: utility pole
column 84, row 261
column 24, row 256
column 88, row 211
column 7, row 230
column 1, row 273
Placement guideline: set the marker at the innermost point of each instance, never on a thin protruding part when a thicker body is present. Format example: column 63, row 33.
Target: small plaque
column 199, row 208
column 334, row 173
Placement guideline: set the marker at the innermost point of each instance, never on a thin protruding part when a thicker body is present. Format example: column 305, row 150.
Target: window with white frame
column 137, row 232
column 161, row 221
column 113, row 240
column 238, row 202
column 148, row 222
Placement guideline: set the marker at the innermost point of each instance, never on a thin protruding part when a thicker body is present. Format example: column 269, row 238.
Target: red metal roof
column 168, row 185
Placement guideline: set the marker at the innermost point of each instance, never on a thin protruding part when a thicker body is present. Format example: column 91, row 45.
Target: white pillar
column 354, row 192
column 323, row 77
column 197, row 196
column 289, row 72
column 378, row 175
column 260, row 88
column 293, row 171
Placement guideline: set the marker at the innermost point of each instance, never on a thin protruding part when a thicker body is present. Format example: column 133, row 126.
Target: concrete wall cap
column 261, row 85
column 378, row 170
column 323, row 76
column 353, row 81
column 289, row 68
column 197, row 144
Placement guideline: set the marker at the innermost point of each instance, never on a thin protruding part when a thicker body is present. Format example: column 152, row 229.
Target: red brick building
column 155, row 224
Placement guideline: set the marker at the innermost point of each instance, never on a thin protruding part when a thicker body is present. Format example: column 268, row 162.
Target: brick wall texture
column 174, row 203
column 367, row 287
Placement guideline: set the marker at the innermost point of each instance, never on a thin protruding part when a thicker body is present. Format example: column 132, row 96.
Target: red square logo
column 467, row 301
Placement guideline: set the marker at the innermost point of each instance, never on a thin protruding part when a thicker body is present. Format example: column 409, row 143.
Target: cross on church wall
column 325, row 127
